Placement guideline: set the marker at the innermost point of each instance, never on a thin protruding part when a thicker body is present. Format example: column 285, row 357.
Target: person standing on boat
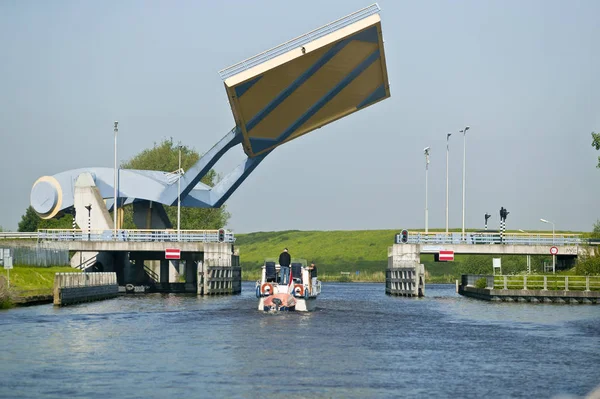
column 284, row 266
column 313, row 276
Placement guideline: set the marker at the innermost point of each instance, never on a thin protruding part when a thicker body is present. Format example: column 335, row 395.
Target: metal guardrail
column 475, row 238
column 17, row 235
column 299, row 41
column 124, row 235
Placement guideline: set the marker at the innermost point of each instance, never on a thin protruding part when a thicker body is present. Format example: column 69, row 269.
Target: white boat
column 298, row 294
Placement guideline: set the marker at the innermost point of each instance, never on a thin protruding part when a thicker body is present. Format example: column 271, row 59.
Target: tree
column 596, row 229
column 165, row 157
column 30, row 221
column 596, row 144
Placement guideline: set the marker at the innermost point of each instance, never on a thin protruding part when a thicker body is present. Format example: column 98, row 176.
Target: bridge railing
column 133, row 235
column 495, row 238
column 535, row 282
column 299, row 41
column 11, row 235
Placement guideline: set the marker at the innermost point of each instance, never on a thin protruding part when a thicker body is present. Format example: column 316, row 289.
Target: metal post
column 464, row 132
column 426, row 172
column 179, row 198
column 74, row 222
column 116, row 130
column 447, row 156
column 89, row 208
column 552, row 223
column 553, row 264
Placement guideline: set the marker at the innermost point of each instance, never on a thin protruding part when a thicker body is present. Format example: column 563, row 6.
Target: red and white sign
column 553, row 250
column 172, row 253
column 446, row 256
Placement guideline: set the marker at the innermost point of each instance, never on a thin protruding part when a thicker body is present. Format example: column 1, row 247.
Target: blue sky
column 523, row 75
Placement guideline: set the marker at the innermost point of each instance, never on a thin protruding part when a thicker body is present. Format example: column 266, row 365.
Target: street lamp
column 89, row 209
column 179, row 197
column 115, row 184
column 426, row 151
column 464, row 132
column 553, row 255
column 552, row 223
column 447, row 154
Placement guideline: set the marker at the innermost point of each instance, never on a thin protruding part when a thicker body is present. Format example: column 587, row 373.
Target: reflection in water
column 358, row 343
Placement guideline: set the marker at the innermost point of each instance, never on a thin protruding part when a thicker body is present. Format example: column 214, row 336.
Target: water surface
column 359, row 343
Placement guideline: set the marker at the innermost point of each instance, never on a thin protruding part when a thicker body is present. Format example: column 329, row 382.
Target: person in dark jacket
column 284, row 266
column 313, row 277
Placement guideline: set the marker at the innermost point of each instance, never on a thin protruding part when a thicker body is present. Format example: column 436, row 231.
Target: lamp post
column 179, row 197
column 553, row 256
column 116, row 129
column 447, row 155
column 426, row 151
column 552, row 223
column 464, row 132
column 89, row 208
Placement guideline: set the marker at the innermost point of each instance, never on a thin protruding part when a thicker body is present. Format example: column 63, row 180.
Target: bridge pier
column 405, row 275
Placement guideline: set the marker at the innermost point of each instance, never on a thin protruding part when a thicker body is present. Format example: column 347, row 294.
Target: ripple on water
column 358, row 343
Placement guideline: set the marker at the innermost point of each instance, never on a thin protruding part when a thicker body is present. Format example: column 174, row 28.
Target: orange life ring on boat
column 299, row 290
column 266, row 289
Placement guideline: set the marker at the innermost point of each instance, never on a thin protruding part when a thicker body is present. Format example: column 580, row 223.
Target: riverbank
column 29, row 285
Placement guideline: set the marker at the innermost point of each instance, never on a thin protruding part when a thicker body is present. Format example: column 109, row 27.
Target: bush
column 589, row 264
column 5, row 297
column 481, row 283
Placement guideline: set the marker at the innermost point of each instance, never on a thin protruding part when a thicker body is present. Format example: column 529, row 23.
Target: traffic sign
column 172, row 253
column 553, row 250
column 446, row 256
column 8, row 263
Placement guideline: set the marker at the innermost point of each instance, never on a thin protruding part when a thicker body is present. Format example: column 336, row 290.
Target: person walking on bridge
column 284, row 266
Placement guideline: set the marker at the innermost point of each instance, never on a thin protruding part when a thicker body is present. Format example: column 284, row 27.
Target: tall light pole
column 553, row 255
column 115, row 184
column 426, row 151
column 464, row 132
column 552, row 223
column 447, row 155
column 179, row 197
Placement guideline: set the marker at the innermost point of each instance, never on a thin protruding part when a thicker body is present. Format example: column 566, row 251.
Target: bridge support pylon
column 405, row 275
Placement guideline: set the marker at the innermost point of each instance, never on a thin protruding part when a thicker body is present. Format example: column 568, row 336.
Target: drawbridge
column 275, row 97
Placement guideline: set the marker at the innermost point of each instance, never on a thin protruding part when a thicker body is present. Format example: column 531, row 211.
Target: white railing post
column 505, row 282
column 545, row 283
column 524, row 282
column 587, row 283
column 566, row 283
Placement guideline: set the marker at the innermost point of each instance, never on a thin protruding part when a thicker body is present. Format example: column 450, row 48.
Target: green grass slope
column 359, row 250
column 332, row 251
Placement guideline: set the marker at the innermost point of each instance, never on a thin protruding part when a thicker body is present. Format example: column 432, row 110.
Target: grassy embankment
column 29, row 281
column 364, row 251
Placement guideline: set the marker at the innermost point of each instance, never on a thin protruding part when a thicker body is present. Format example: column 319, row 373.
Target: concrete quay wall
column 72, row 288
column 531, row 296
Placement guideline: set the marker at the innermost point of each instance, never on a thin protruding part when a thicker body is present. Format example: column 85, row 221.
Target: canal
column 359, row 343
